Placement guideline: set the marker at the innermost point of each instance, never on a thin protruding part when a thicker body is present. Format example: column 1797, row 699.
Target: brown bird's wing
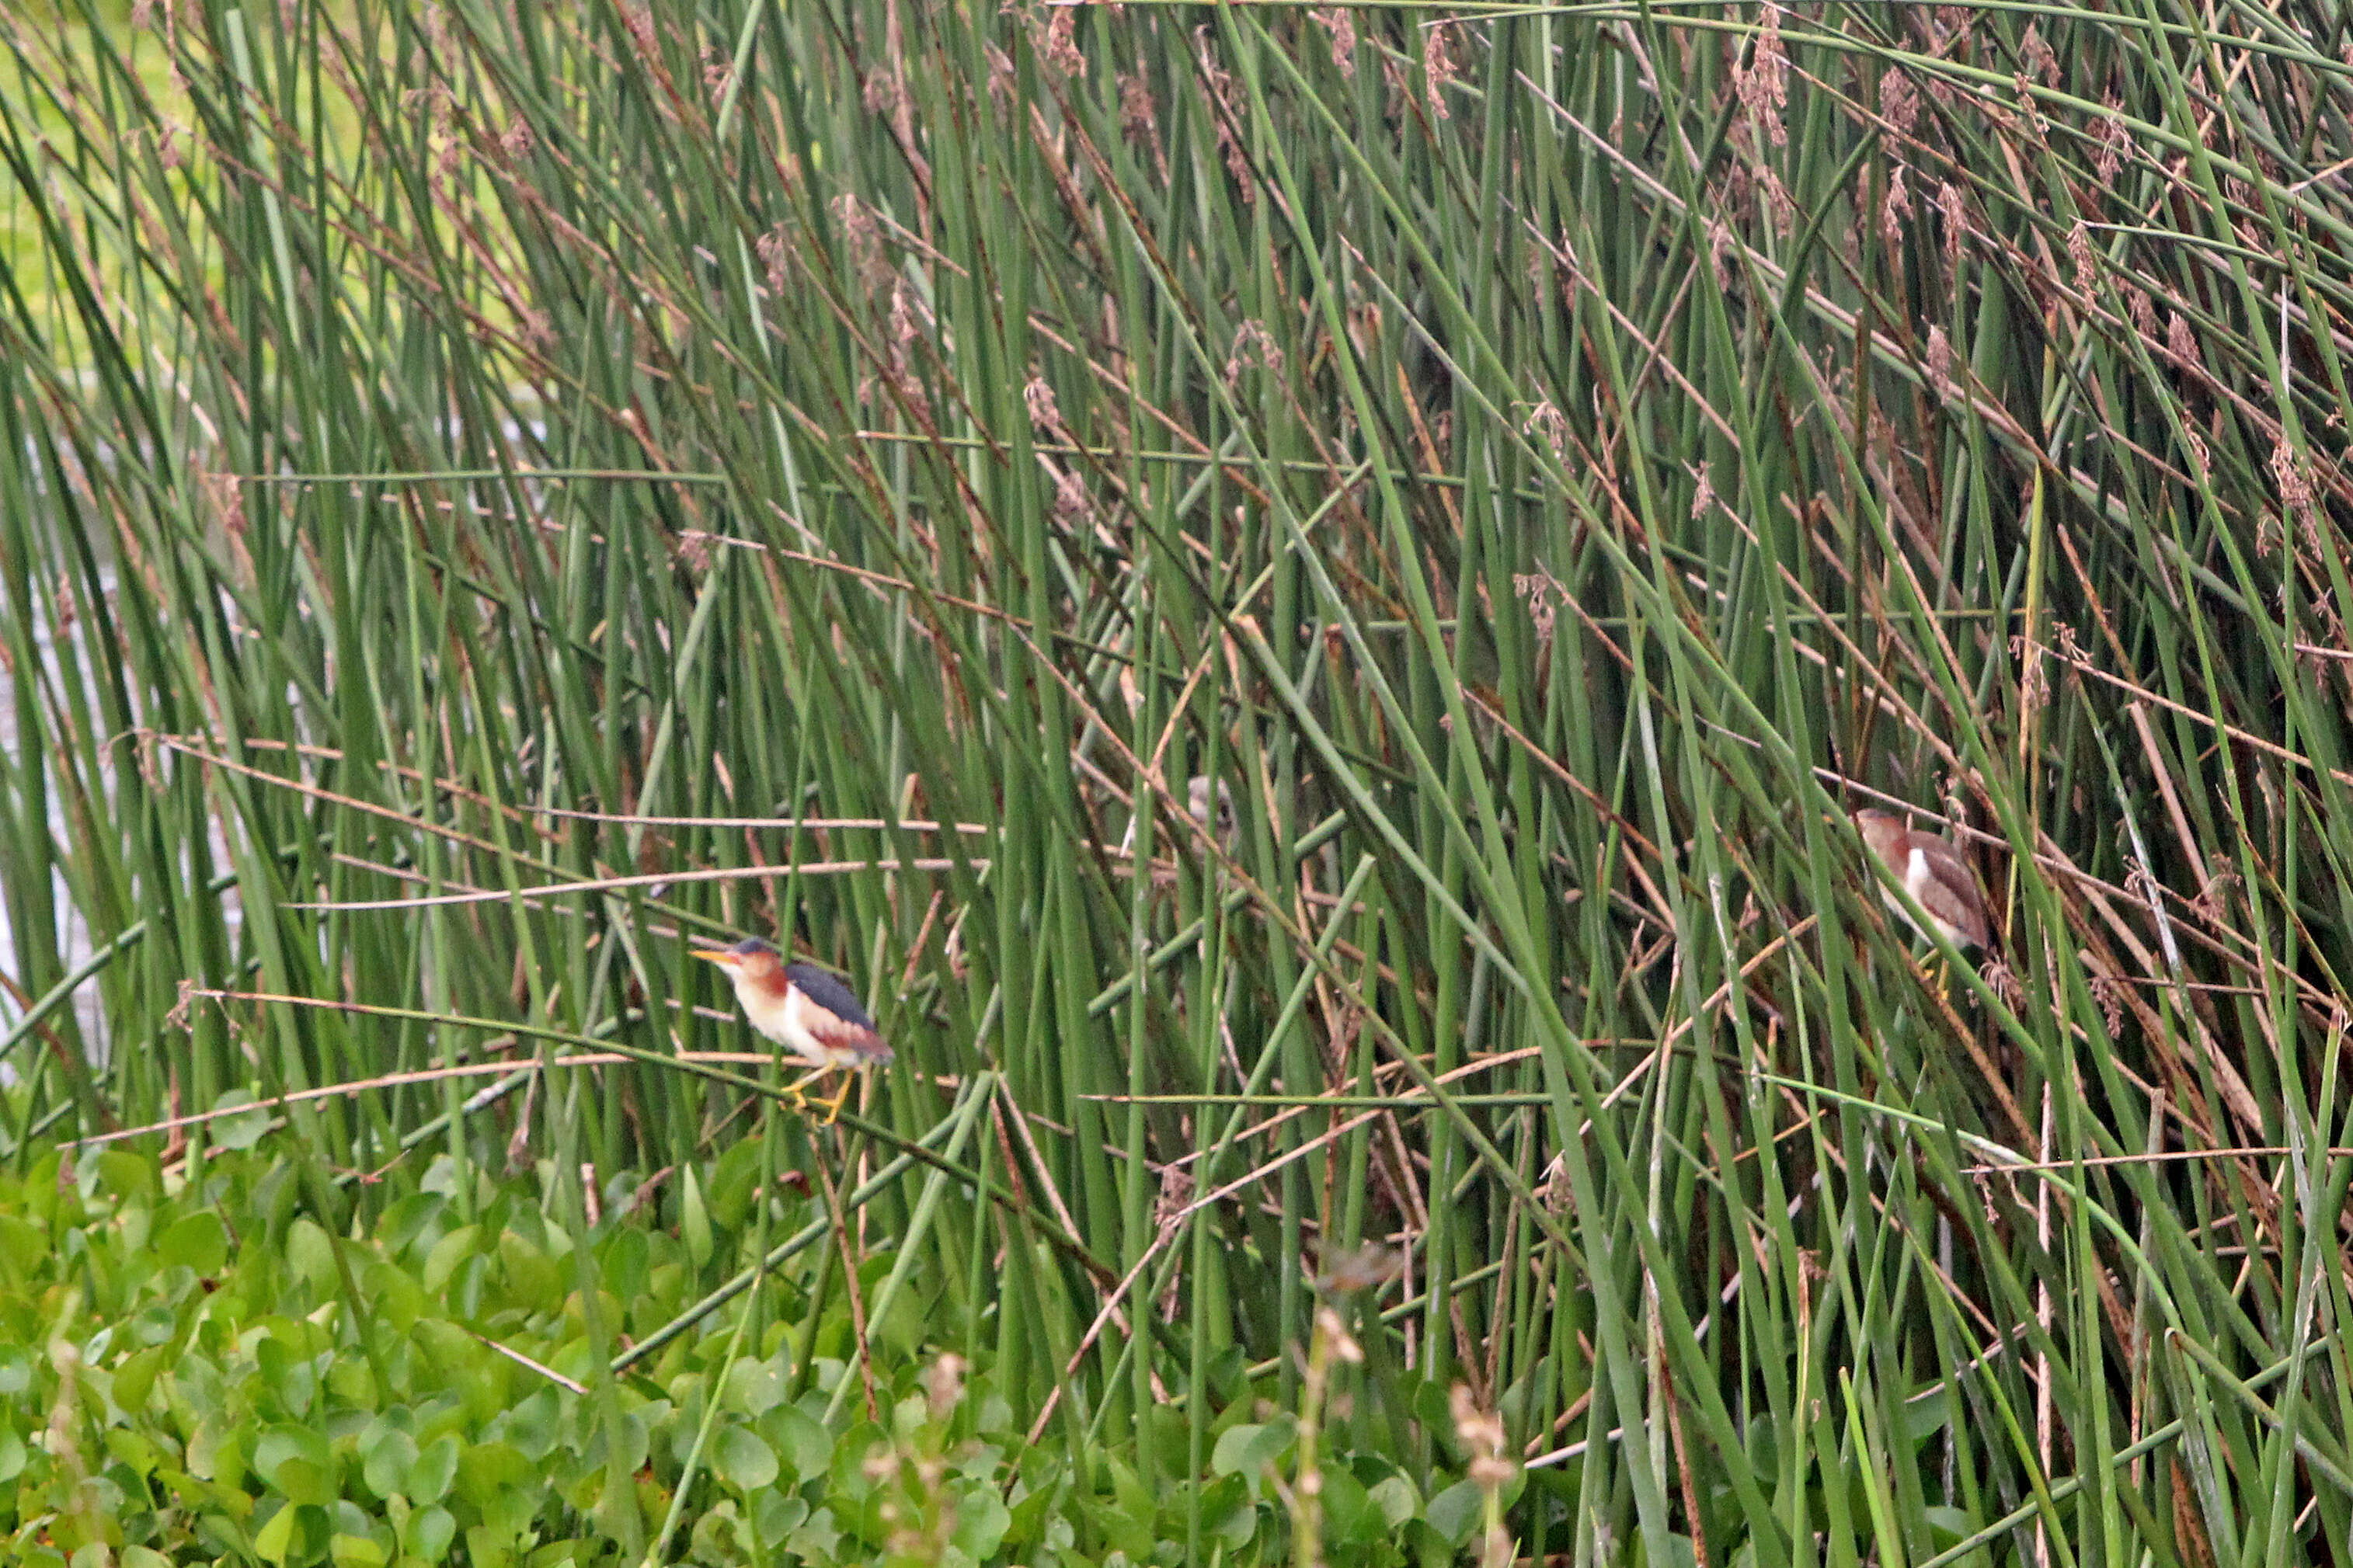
column 1952, row 895
column 857, row 1039
column 835, row 1017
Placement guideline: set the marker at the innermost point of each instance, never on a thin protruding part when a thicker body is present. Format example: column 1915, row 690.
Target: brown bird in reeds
column 1934, row 873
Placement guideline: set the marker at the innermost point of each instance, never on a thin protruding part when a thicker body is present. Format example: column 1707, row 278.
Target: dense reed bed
column 491, row 493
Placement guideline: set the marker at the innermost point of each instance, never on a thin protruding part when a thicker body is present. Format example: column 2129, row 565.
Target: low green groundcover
column 200, row 1371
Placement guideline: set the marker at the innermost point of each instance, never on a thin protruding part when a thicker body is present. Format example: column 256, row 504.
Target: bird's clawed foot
column 802, row 1102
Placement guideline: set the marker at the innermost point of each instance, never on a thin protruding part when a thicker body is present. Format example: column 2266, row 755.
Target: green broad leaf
column 1396, row 1498
column 305, row 1482
column 1951, row 1526
column 356, row 1551
column 1921, row 1418
column 776, row 1514
column 296, row 1461
column 1349, row 1517
column 395, row 1299
column 276, row 1540
column 856, row 1459
column 311, row 1252
column 242, row 1129
column 799, row 1439
column 295, row 1533
column 352, row 1382
column 532, row 1425
column 387, row 1462
column 198, row 1241
column 533, row 1280
column 817, row 1537
column 129, row 1176
column 755, row 1387
column 11, row 1454
column 285, row 1369
column 1229, row 1511
column 489, row 1469
column 1455, row 1512
column 427, row 1534
column 216, row 1452
column 1128, row 1490
column 447, row 1252
column 23, row 1247
column 135, row 1380
column 155, row 1326
column 408, row 1218
column 738, row 1454
column 981, row 1522
column 488, row 1546
column 1248, row 1450
column 436, row 1467
column 129, row 1448
column 1430, row 1549
column 731, row 1181
column 1031, row 1509
column 1122, row 1529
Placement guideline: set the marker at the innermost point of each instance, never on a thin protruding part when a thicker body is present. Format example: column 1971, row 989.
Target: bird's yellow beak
column 718, row 955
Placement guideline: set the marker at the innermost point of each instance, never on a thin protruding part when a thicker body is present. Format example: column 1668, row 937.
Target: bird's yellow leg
column 795, row 1092
column 802, row 1102
column 833, row 1106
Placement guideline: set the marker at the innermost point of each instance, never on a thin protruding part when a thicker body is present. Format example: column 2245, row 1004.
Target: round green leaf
column 23, row 1246
column 135, row 1378
column 356, row 1551
column 1247, row 1450
column 241, row 1131
column 738, row 1454
column 430, row 1477
column 295, row 1460
column 981, row 1522
column 388, row 1461
column 428, row 1532
column 276, row 1538
column 198, row 1241
column 1455, row 1512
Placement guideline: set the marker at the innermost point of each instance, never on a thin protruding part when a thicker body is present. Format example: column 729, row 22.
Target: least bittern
column 1934, row 873
column 807, row 1010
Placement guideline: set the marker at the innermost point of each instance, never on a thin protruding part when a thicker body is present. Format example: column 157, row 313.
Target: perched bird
column 1934, row 873
column 1196, row 806
column 807, row 1010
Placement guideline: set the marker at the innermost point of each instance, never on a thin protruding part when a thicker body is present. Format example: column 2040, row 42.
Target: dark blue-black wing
column 828, row 991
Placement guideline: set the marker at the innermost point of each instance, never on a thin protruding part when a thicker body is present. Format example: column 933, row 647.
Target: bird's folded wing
column 1954, row 897
column 857, row 1039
